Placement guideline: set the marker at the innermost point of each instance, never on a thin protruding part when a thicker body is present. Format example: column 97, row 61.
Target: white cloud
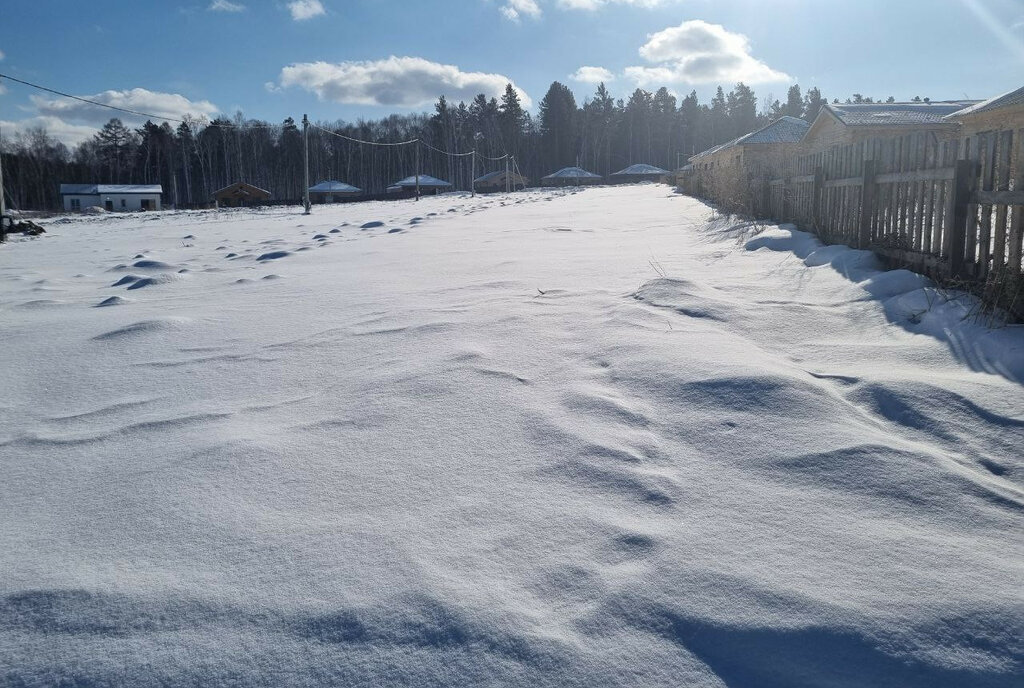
column 696, row 52
column 306, row 9
column 2, row 56
column 138, row 99
column 69, row 134
column 225, row 6
column 592, row 75
column 396, row 81
column 513, row 10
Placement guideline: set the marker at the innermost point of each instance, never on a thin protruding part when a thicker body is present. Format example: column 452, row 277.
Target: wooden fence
column 950, row 208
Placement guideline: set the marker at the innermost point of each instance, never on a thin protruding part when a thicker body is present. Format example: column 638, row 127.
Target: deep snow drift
column 552, row 438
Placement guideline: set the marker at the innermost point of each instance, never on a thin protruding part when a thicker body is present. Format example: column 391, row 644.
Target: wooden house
column 639, row 173
column 841, row 124
column 571, row 176
column 429, row 186
column 1002, row 113
column 240, row 194
column 333, row 192
column 760, row 154
column 498, row 181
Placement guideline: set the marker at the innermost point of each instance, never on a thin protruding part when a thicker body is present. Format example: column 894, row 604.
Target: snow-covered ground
column 552, row 438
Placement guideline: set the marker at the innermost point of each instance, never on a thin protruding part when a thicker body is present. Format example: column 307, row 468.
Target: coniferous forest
column 193, row 158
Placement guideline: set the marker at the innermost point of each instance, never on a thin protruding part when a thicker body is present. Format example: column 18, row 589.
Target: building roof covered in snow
column 425, row 181
column 895, row 114
column 499, row 175
column 1011, row 99
column 332, row 186
column 640, row 170
column 96, row 189
column 572, row 173
column 785, row 129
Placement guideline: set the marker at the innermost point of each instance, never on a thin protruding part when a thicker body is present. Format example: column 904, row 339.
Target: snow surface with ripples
column 606, row 439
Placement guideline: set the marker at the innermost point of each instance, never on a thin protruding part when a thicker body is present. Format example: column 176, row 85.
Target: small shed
column 640, row 173
column 240, row 194
column 332, row 192
column 428, row 185
column 571, row 176
column 496, row 181
column 995, row 114
column 111, row 197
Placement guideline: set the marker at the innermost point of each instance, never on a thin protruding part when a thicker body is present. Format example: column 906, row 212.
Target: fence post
column 867, row 204
column 964, row 180
column 785, row 199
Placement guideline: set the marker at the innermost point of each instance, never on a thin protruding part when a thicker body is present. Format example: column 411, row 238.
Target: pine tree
column 794, row 102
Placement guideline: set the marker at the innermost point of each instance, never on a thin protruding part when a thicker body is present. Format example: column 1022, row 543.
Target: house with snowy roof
column 332, row 191
column 1001, row 113
column 640, row 172
column 111, row 197
column 427, row 185
column 839, row 124
column 571, row 176
column 760, row 151
column 496, row 181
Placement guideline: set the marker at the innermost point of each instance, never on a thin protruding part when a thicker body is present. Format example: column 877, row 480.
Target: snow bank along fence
column 950, row 208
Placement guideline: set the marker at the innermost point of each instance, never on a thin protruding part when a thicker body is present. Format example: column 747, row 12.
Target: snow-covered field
column 552, row 438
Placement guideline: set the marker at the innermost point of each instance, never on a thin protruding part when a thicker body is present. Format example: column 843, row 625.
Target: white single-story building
column 111, row 197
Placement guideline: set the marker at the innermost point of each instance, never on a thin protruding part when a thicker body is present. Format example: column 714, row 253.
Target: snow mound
column 273, row 255
column 143, row 327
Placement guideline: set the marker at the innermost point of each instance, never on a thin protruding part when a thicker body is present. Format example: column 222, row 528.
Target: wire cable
column 137, row 113
column 368, row 143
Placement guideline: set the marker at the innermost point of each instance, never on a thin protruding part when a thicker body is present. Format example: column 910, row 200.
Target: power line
column 137, row 113
column 368, row 143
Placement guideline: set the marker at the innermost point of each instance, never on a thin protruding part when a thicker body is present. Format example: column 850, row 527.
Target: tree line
column 196, row 157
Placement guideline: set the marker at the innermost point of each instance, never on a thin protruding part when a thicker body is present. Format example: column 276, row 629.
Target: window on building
column 124, row 203
column 76, row 203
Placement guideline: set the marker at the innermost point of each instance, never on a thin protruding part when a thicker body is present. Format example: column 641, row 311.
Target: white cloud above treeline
column 306, row 9
column 592, row 75
column 72, row 121
column 407, row 82
column 172, row 105
column 697, row 52
column 225, row 6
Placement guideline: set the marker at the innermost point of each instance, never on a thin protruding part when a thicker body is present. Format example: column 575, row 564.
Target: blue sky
column 332, row 58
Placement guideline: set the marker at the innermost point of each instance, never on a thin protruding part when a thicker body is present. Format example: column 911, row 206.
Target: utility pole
column 506, row 174
column 3, row 208
column 305, row 161
column 417, row 171
column 472, row 175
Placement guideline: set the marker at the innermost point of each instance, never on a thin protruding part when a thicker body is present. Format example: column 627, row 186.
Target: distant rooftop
column 786, row 129
column 94, row 189
column 640, row 170
column 889, row 114
column 572, row 173
column 334, row 187
column 1005, row 100
column 425, row 181
column 496, row 175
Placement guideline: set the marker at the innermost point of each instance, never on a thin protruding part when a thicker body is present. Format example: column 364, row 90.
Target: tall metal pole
column 506, row 174
column 3, row 208
column 305, row 161
column 472, row 175
column 417, row 171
